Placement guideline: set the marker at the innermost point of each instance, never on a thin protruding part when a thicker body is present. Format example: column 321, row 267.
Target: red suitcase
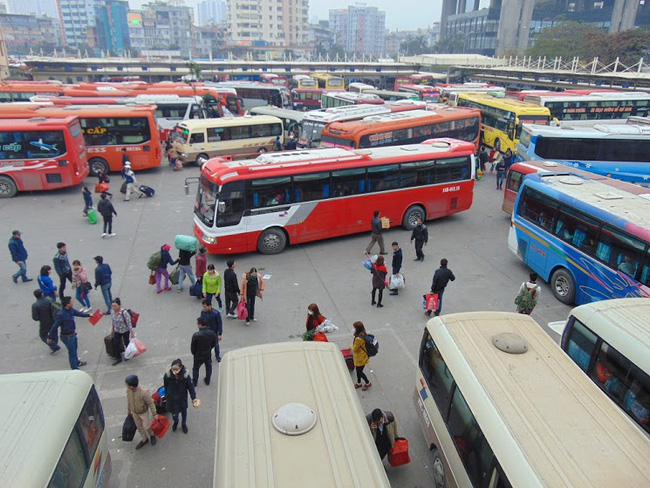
column 349, row 360
column 159, row 426
column 399, row 453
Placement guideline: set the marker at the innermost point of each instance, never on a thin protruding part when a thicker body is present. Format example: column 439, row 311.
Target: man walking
column 185, row 268
column 501, row 173
column 420, row 235
column 213, row 322
column 139, row 405
column 375, row 235
column 396, row 264
column 131, row 182
column 43, row 312
column 203, row 342
column 231, row 288
column 65, row 320
column 106, row 209
column 62, row 267
column 103, row 280
column 441, row 278
column 18, row 256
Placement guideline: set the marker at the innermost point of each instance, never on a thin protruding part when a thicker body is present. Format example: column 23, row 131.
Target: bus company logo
column 14, row 146
column 539, row 251
column 15, row 164
column 97, row 149
column 95, row 130
column 380, row 136
column 451, row 188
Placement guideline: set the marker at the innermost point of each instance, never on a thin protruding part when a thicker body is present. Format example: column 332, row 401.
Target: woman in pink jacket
column 82, row 285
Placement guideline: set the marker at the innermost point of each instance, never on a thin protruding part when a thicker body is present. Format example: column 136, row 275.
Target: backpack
column 252, row 285
column 154, row 261
column 526, row 300
column 372, row 345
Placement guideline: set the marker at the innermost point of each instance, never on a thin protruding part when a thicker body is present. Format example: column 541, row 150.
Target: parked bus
column 329, row 81
column 196, row 141
column 274, row 79
column 595, row 106
column 413, row 79
column 291, row 119
column 24, row 91
column 610, row 341
column 280, row 404
column 54, row 432
column 341, row 99
column 392, row 96
column 303, row 81
column 425, row 93
column 301, row 196
column 449, row 93
column 232, row 100
column 410, row 127
column 41, row 154
column 502, row 119
column 576, row 233
column 502, row 406
column 107, row 129
column 357, row 87
column 255, row 94
column 306, row 98
column 546, row 93
column 621, row 151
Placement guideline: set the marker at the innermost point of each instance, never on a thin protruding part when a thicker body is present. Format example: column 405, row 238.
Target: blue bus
column 590, row 241
column 620, row 150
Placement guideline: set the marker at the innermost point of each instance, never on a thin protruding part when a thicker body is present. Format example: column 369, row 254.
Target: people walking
column 65, row 320
column 230, row 288
column 314, row 317
column 213, row 322
column 185, row 265
column 501, row 173
column 379, row 273
column 528, row 295
column 43, row 312
column 178, row 385
column 141, row 408
column 45, row 282
column 376, row 234
column 383, row 428
column 441, row 279
column 203, row 341
column 125, row 158
column 509, row 159
column 211, row 285
column 396, row 265
column 18, row 256
column 165, row 259
column 88, row 200
column 104, row 281
column 131, row 182
column 106, row 210
column 359, row 355
column 62, row 267
column 420, row 235
column 200, row 263
column 82, row 285
column 122, row 330
column 252, row 287
column 277, row 144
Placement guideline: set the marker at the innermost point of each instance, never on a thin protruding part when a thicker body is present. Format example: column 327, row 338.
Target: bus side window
column 624, row 252
column 645, row 270
column 313, row 186
column 352, row 179
column 581, row 345
column 435, row 372
column 72, row 466
column 197, row 138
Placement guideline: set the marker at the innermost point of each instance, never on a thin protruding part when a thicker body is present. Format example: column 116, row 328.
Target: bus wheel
column 201, row 159
column 438, row 470
column 272, row 241
column 563, row 286
column 413, row 213
column 497, row 145
column 98, row 165
column 8, row 188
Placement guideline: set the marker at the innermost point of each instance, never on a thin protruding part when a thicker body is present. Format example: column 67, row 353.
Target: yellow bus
column 329, row 81
column 289, row 417
column 501, row 405
column 53, row 433
column 501, row 118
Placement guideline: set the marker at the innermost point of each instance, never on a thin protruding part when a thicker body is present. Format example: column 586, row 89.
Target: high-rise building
column 111, row 26
column 39, row 8
column 274, row 22
column 360, row 30
column 25, row 33
column 4, row 58
column 162, row 26
column 212, row 12
column 76, row 16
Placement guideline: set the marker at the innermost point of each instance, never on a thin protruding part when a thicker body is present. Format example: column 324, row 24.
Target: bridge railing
column 559, row 65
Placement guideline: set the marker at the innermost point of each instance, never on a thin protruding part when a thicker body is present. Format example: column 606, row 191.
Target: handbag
column 174, row 275
column 85, row 287
column 431, row 301
column 399, row 453
column 159, row 426
column 123, row 188
column 242, row 311
column 128, row 429
column 101, row 187
column 152, row 278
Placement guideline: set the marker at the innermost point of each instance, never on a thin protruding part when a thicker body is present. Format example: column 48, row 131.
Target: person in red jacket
column 379, row 273
column 314, row 317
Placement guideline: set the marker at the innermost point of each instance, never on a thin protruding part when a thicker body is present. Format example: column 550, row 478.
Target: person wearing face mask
column 139, row 406
column 314, row 317
column 178, row 384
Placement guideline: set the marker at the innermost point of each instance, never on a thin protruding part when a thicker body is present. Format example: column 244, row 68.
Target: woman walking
column 122, row 330
column 360, row 356
column 178, row 384
column 379, row 273
column 251, row 288
column 165, row 259
column 212, row 285
column 45, row 282
column 314, row 317
column 82, row 285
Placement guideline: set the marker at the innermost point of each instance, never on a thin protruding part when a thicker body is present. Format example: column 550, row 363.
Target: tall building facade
column 111, row 26
column 25, row 33
column 211, row 12
column 162, row 26
column 76, row 16
column 273, row 22
column 39, row 8
column 359, row 30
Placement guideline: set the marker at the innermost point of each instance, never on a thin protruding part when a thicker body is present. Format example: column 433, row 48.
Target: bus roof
column 541, row 98
column 353, row 96
column 346, row 112
column 36, row 122
column 6, row 110
column 504, row 103
column 279, row 112
column 538, row 409
column 38, row 417
column 598, row 129
column 254, row 383
column 199, row 124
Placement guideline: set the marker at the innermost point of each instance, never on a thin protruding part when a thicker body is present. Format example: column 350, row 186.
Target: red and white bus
column 41, row 154
column 274, row 79
column 425, row 93
column 107, row 129
column 307, row 98
column 231, row 99
column 301, row 196
column 414, row 79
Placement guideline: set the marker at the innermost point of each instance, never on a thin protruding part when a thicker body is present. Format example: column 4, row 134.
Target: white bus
column 501, row 406
column 358, row 87
column 255, row 94
column 341, row 99
column 53, row 433
column 594, row 106
column 288, row 417
column 610, row 341
column 291, row 119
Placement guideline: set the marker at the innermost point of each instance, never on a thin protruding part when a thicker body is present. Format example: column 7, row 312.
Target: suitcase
column 159, row 426
column 110, row 350
column 147, row 190
column 128, row 429
column 185, row 243
column 399, row 453
column 347, row 356
column 92, row 216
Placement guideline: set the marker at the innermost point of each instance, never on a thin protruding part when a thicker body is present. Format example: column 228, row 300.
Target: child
column 88, row 199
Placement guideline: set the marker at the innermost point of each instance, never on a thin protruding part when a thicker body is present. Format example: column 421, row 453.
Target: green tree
column 414, row 45
column 569, row 39
column 194, row 75
column 629, row 46
column 450, row 45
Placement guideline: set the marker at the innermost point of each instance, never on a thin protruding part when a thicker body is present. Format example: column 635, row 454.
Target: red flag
column 96, row 317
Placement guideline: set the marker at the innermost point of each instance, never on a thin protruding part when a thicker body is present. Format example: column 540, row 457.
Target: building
column 211, row 12
column 359, row 30
column 209, row 40
column 4, row 58
column 320, row 37
column 40, row 8
column 161, row 26
column 112, row 29
column 25, row 33
column 274, row 22
column 75, row 17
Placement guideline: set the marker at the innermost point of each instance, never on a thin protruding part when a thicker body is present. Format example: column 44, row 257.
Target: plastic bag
column 242, row 311
column 327, row 326
column 370, row 260
column 134, row 349
column 397, row 282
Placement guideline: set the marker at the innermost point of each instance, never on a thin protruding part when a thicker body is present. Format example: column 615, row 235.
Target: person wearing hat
column 165, row 259
column 131, row 182
column 103, row 280
column 139, row 405
column 18, row 256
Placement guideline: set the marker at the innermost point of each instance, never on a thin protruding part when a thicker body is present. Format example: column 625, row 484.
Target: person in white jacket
column 131, row 183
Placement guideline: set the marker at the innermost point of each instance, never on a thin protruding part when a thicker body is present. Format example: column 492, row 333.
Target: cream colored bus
column 501, row 405
column 196, row 141
column 288, row 417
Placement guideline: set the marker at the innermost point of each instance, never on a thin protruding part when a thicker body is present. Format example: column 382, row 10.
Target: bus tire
column 97, row 165
column 201, row 159
column 563, row 286
column 497, row 145
column 272, row 241
column 411, row 216
column 439, row 479
column 8, row 187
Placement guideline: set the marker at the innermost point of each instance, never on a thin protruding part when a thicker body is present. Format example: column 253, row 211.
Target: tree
column 568, row 40
column 194, row 75
column 453, row 44
column 629, row 46
column 414, row 45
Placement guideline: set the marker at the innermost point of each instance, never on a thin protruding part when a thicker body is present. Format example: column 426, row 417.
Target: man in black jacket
column 231, row 288
column 185, row 268
column 106, row 210
column 441, row 278
column 375, row 234
column 203, row 342
column 43, row 311
column 397, row 264
column 421, row 236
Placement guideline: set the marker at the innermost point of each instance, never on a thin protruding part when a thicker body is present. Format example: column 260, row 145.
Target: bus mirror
column 187, row 188
column 188, row 181
column 221, row 207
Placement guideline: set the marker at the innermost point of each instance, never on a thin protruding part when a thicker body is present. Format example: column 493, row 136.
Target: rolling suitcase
column 347, row 356
column 110, row 350
column 147, row 190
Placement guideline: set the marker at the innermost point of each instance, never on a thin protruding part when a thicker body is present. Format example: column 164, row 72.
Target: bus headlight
column 209, row 239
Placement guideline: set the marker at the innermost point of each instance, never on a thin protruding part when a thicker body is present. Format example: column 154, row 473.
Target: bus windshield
column 206, row 201
column 332, row 141
column 310, row 135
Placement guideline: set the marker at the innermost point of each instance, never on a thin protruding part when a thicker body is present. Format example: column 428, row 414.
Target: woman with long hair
column 360, row 356
column 379, row 273
column 314, row 317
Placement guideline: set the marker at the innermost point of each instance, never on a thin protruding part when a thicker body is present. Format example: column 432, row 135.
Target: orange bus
column 412, row 127
column 41, row 154
column 107, row 129
column 23, row 91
